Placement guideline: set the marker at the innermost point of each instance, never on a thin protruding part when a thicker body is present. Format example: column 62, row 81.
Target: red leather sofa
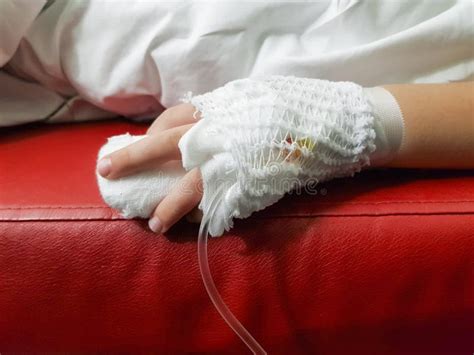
column 377, row 264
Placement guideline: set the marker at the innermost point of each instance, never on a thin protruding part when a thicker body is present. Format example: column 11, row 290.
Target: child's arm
column 439, row 125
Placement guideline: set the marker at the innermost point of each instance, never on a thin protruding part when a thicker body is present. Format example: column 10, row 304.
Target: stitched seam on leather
column 316, row 203
column 254, row 217
column 355, row 214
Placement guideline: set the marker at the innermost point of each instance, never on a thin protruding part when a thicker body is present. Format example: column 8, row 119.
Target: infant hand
column 159, row 147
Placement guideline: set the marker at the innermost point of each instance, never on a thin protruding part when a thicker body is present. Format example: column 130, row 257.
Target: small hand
column 159, row 147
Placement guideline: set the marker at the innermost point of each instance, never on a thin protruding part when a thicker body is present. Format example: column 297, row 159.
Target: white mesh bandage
column 260, row 138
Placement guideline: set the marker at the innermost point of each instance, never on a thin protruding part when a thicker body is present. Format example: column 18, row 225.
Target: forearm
column 439, row 125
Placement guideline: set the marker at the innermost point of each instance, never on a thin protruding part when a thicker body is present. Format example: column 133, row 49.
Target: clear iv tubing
column 216, row 298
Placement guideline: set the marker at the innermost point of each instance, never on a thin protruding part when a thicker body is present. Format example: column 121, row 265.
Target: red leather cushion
column 381, row 263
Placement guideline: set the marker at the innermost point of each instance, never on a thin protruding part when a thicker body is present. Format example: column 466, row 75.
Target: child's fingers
column 173, row 117
column 146, row 153
column 182, row 198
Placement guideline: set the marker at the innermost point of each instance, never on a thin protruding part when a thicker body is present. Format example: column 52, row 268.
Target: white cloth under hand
column 137, row 195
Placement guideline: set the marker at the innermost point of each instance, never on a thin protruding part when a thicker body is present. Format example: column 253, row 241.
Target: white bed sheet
column 130, row 57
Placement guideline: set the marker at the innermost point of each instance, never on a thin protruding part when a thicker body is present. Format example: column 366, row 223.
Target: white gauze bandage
column 258, row 139
column 137, row 195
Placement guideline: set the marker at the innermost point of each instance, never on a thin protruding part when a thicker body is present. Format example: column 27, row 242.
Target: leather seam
column 303, row 215
column 330, row 215
column 317, row 203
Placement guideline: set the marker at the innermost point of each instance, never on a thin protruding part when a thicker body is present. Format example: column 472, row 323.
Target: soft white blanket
column 102, row 58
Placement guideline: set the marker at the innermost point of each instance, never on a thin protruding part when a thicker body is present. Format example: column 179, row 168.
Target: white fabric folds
column 130, row 58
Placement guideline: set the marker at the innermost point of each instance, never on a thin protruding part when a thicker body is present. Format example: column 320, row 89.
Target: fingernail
column 104, row 166
column 155, row 225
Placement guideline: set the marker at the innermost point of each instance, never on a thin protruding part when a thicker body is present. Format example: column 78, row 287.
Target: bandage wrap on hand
column 260, row 138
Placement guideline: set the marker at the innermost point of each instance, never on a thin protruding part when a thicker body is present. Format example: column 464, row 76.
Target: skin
column 439, row 125
column 439, row 133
